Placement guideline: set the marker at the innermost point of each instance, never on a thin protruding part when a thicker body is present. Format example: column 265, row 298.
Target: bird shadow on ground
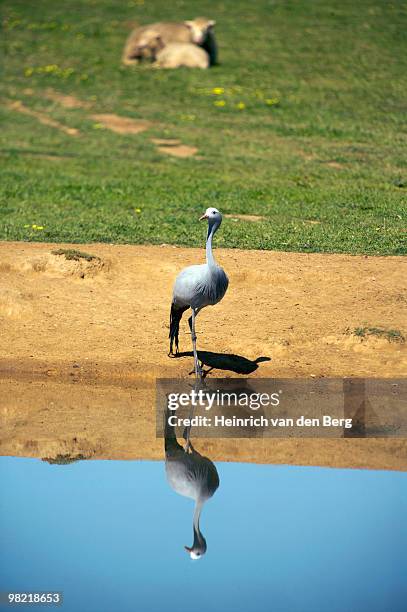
column 226, row 361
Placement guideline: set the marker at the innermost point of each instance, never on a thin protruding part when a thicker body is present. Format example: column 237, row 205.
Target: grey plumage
column 191, row 475
column 198, row 286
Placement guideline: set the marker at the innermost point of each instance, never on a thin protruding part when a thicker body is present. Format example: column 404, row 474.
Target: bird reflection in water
column 192, row 475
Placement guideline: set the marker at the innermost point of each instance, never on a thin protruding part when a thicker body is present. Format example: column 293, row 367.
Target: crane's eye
column 213, row 212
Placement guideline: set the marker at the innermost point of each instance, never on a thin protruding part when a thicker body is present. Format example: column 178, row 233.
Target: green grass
column 392, row 335
column 65, row 459
column 74, row 254
column 319, row 148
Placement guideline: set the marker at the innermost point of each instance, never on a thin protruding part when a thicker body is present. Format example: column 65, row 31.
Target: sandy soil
column 67, row 101
column 122, row 125
column 82, row 343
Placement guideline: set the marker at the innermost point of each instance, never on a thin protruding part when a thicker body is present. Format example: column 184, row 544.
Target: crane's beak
column 187, row 548
column 203, row 217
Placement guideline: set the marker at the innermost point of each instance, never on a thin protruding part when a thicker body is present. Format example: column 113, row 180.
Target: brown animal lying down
column 140, row 44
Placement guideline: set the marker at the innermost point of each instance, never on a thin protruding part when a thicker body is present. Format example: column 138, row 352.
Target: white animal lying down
column 175, row 55
column 198, row 31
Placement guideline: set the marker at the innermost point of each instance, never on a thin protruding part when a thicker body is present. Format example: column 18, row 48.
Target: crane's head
column 213, row 215
column 198, row 549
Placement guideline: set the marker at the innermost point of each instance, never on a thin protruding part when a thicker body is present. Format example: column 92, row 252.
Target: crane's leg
column 187, row 430
column 198, row 371
column 201, row 365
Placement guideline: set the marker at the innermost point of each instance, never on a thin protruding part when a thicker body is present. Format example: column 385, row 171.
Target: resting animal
column 175, row 55
column 149, row 42
column 198, row 31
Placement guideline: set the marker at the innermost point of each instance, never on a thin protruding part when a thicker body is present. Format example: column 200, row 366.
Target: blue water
column 110, row 535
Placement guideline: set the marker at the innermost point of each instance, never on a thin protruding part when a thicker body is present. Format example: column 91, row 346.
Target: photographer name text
column 258, row 421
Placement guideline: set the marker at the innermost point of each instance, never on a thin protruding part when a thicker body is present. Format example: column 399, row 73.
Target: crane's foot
column 199, row 371
column 188, row 446
column 185, row 435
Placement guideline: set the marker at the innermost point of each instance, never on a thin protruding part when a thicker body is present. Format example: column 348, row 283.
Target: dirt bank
column 98, row 325
column 52, row 420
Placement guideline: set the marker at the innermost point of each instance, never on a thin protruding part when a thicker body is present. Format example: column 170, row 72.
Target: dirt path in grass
column 43, row 118
column 118, row 124
column 83, row 341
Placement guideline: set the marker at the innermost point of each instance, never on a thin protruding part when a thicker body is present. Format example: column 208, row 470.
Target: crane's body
column 192, row 475
column 198, row 286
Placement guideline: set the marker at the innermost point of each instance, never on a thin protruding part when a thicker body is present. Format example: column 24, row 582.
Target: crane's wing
column 199, row 286
column 192, row 475
column 190, row 286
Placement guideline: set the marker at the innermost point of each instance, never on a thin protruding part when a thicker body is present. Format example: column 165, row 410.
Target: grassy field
column 302, row 123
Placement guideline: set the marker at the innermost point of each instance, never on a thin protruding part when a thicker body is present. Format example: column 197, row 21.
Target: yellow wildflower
column 220, row 103
column 271, row 101
column 218, row 91
column 241, row 105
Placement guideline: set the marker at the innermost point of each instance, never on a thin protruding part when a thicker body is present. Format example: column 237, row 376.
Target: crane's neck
column 198, row 548
column 210, row 260
column 197, row 514
column 199, row 540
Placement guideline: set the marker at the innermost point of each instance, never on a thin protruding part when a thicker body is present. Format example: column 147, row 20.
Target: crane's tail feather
column 172, row 446
column 175, row 318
